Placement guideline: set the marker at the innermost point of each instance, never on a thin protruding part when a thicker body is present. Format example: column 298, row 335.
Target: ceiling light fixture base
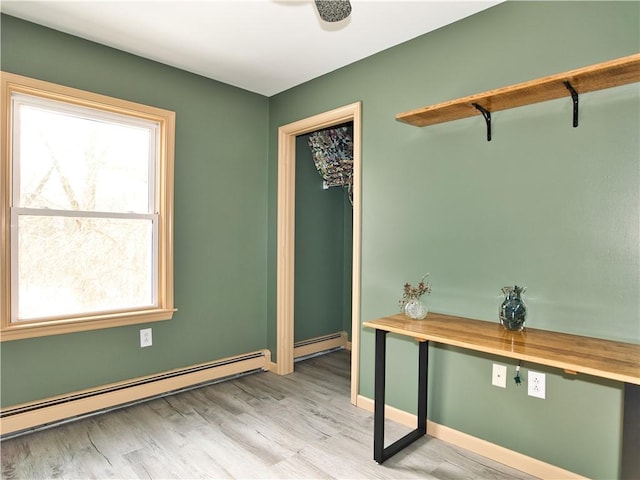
column 333, row 10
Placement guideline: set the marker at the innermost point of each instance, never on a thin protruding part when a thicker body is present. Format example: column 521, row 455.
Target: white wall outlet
column 536, row 384
column 146, row 340
column 499, row 376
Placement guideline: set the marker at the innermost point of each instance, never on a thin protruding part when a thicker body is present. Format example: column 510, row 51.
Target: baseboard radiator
column 318, row 345
column 23, row 418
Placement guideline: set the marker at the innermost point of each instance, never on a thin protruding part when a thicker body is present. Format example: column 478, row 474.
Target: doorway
column 286, row 234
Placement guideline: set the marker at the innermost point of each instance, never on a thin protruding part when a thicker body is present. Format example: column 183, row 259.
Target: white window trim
column 11, row 85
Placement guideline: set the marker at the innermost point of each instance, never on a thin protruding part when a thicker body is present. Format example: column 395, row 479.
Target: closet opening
column 295, row 296
column 323, row 240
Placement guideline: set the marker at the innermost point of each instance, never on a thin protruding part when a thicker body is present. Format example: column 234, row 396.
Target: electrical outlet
column 146, row 340
column 536, row 384
column 499, row 376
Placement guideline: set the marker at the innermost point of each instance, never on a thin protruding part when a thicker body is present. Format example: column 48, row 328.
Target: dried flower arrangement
column 414, row 293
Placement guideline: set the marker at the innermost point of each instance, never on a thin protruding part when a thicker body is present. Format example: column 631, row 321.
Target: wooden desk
column 572, row 353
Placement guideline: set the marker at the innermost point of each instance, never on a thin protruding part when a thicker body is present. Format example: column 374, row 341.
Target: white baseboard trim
column 55, row 409
column 490, row 450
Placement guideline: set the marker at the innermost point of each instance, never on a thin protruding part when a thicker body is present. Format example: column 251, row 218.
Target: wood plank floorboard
column 260, row 426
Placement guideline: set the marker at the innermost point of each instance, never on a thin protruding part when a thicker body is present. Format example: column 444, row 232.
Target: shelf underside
column 595, row 77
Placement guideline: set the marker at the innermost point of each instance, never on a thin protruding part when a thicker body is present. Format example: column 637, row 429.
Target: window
column 87, row 209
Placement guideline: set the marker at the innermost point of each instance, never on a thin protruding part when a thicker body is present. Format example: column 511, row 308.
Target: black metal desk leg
column 630, row 465
column 423, row 374
column 378, row 395
column 380, row 453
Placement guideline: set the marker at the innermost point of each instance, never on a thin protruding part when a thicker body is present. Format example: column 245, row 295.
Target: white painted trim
column 489, row 450
column 114, row 396
column 286, row 233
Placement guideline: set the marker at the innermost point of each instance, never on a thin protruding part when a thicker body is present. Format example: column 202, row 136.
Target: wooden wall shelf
column 587, row 79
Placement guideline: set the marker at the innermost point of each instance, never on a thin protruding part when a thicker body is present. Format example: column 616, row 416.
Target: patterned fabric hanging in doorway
column 332, row 151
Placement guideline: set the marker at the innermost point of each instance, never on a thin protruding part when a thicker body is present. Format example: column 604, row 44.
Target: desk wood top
column 573, row 353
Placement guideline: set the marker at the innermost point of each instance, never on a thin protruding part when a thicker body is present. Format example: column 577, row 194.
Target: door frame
column 286, row 233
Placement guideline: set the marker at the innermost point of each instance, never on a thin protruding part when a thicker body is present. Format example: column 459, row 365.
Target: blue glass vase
column 513, row 311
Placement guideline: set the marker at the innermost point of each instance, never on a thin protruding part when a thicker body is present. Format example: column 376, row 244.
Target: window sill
column 108, row 320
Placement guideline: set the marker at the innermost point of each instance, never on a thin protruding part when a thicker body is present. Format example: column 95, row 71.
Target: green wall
column 220, row 220
column 322, row 260
column 543, row 204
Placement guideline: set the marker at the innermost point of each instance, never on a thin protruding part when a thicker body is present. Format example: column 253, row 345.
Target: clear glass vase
column 513, row 311
column 415, row 309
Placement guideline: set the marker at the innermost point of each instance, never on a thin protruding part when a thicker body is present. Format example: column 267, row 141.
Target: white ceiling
column 264, row 46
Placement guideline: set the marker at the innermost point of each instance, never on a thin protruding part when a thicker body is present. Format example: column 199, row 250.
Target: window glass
column 75, row 162
column 75, row 265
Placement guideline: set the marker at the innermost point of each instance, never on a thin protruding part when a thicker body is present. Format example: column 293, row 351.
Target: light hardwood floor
column 257, row 426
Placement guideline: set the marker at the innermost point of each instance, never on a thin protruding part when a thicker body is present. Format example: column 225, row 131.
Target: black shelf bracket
column 574, row 97
column 487, row 118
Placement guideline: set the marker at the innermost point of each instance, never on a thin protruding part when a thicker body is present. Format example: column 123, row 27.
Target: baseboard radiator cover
column 489, row 450
column 320, row 345
column 24, row 418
